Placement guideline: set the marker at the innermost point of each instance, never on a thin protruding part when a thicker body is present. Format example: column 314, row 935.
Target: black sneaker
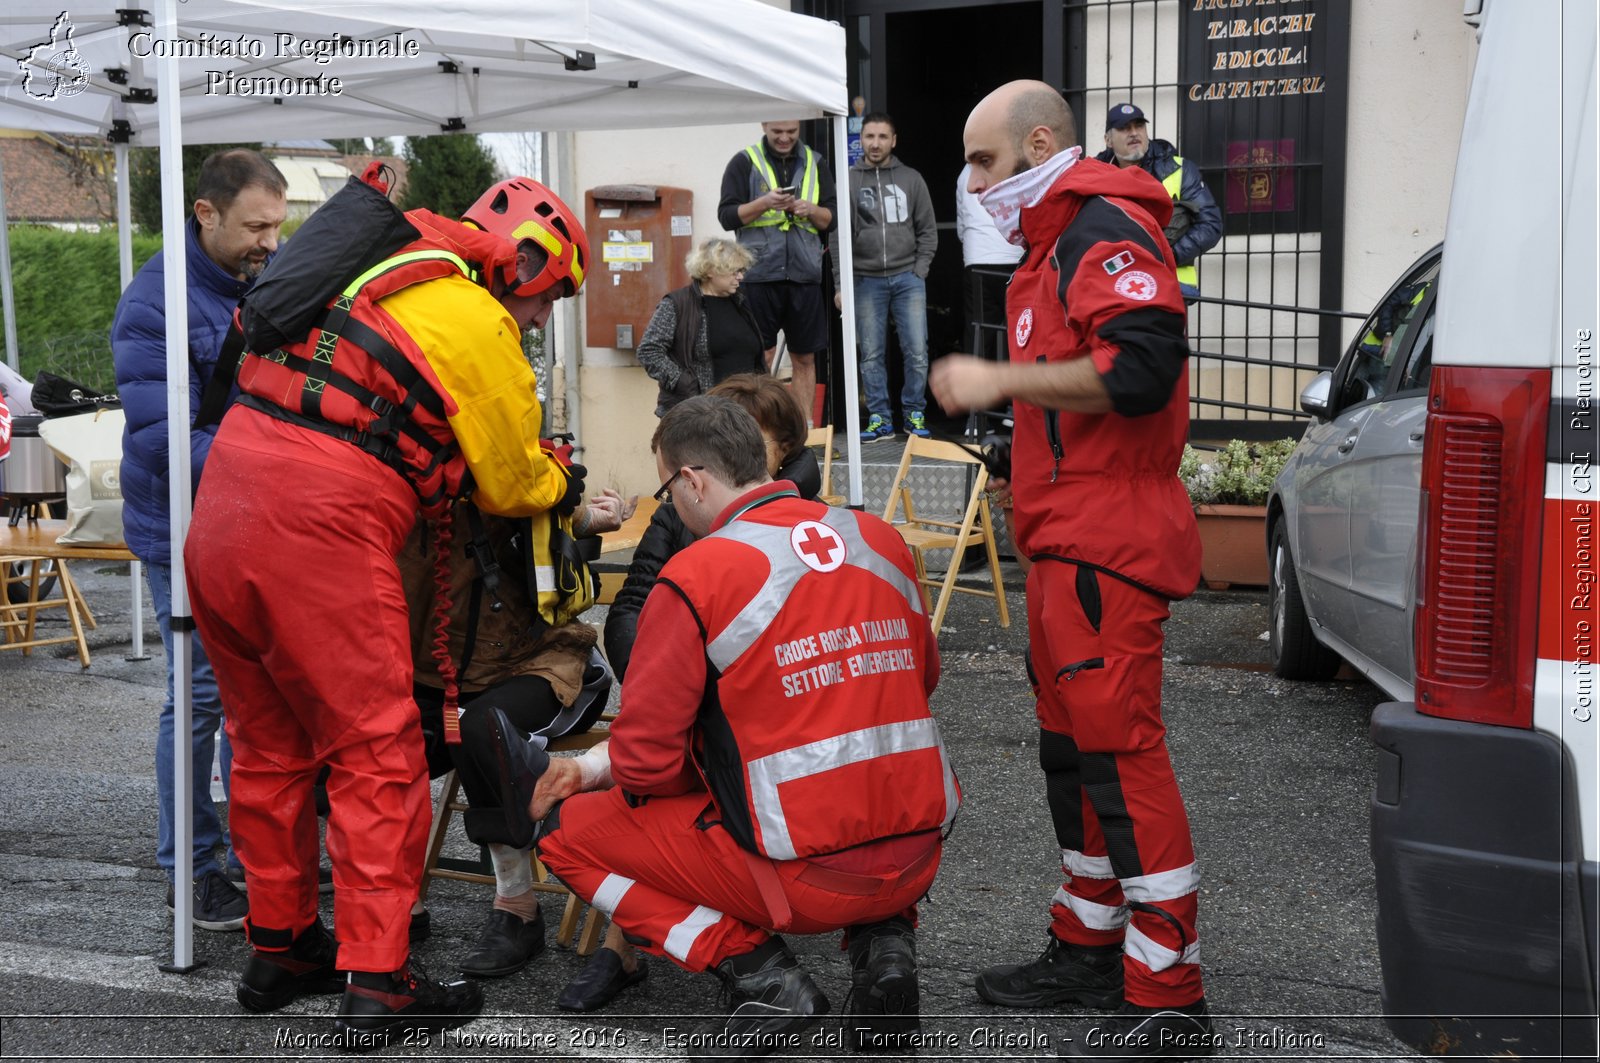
column 506, row 945
column 771, row 999
column 1138, row 1032
column 273, row 979
column 1063, row 974
column 882, row 1010
column 217, row 905
column 379, row 1009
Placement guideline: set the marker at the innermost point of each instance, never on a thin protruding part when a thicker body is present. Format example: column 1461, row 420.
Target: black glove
column 997, row 456
column 573, row 497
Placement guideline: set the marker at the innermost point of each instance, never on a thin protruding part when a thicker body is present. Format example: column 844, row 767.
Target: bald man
column 1099, row 380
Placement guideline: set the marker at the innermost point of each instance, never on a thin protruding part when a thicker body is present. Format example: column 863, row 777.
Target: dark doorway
column 928, row 67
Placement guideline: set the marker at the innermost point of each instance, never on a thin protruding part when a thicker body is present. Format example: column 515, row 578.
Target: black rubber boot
column 273, row 979
column 506, row 945
column 519, row 763
column 771, row 1000
column 1062, row 974
column 1138, row 1032
column 378, row 1010
column 883, row 1008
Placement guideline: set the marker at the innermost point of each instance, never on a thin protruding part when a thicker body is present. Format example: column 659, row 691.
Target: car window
column 1386, row 334
column 1420, row 363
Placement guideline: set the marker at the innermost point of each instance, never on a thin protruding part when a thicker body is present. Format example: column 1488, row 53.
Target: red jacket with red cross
column 1098, row 282
column 810, row 724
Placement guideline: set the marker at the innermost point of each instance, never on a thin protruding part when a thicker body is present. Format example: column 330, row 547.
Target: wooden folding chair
column 822, row 436
column 926, row 533
column 439, row 866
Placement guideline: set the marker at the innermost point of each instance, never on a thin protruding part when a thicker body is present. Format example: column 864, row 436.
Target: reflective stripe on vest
column 332, row 329
column 787, row 569
column 831, row 754
column 808, row 189
column 766, row 774
column 1173, row 183
column 394, row 262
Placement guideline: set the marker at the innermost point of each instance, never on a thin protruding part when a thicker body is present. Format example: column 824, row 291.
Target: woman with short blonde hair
column 717, row 256
column 703, row 332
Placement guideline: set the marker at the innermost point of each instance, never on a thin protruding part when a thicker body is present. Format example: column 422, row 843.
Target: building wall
column 1410, row 66
column 619, row 400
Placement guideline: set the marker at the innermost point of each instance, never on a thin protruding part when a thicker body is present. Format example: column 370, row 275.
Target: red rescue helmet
column 521, row 208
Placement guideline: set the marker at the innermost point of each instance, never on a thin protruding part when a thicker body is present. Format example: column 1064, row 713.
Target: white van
column 1485, row 825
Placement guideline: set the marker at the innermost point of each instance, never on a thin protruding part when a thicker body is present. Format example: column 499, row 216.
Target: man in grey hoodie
column 894, row 237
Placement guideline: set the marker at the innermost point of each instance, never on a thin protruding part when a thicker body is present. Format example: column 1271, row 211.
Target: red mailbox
column 638, row 237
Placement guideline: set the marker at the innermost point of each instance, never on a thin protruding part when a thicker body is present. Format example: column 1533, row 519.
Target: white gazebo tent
column 208, row 71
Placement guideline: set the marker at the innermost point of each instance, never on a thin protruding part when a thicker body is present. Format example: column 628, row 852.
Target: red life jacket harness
column 389, row 430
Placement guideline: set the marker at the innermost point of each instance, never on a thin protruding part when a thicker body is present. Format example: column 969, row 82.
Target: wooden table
column 34, row 542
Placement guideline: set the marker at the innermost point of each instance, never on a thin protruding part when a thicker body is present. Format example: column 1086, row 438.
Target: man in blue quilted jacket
column 238, row 208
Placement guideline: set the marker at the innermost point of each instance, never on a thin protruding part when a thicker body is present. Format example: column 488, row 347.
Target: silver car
column 1342, row 516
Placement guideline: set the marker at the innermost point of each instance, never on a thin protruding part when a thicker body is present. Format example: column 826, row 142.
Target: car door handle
column 1348, row 445
column 1417, row 434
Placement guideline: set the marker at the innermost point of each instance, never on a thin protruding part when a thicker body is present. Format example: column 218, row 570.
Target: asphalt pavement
column 1276, row 776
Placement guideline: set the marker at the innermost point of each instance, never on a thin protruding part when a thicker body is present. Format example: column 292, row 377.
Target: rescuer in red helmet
column 410, row 391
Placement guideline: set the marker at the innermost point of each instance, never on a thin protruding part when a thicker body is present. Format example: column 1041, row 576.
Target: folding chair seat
column 923, row 533
column 822, row 436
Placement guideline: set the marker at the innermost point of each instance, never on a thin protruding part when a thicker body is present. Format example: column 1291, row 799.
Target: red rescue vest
column 359, row 377
column 815, row 735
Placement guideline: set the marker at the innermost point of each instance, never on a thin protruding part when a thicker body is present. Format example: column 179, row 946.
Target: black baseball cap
column 1122, row 115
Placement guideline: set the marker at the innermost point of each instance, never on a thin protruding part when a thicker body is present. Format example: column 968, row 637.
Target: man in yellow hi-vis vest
column 1196, row 224
column 778, row 195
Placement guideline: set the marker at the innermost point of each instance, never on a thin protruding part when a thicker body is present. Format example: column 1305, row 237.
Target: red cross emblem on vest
column 817, row 546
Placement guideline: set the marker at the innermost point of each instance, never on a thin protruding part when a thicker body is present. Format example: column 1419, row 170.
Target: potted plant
column 1228, row 488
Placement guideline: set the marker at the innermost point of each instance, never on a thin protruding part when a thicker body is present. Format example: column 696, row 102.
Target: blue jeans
column 205, row 725
column 905, row 296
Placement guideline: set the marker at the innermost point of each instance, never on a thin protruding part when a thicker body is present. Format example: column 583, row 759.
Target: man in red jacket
column 1099, row 380
column 776, row 764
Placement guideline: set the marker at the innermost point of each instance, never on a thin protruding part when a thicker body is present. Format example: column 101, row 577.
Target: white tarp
column 477, row 65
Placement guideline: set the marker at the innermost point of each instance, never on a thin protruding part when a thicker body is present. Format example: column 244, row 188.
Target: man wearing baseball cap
column 1196, row 223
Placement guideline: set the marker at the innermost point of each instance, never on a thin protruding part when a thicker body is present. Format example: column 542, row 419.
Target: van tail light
column 1483, row 470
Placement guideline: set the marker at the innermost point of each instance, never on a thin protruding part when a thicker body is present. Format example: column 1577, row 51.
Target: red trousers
column 668, row 875
column 291, row 568
column 1094, row 644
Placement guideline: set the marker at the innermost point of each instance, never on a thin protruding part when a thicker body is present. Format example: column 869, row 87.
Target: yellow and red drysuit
column 784, row 663
column 1102, row 515
column 413, row 380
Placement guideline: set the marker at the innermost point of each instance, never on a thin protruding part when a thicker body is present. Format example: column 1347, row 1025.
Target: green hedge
column 66, row 286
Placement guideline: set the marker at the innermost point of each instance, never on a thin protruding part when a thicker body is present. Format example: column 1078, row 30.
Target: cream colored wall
column 1410, row 66
column 619, row 400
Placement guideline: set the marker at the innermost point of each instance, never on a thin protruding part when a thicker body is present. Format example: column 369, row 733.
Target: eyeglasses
column 665, row 490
